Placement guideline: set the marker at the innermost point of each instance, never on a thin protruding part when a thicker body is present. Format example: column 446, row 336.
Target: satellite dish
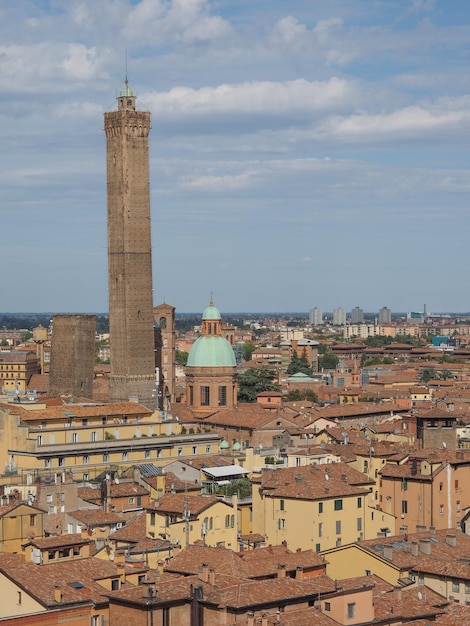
column 116, row 481
column 444, row 445
column 327, row 477
column 420, row 595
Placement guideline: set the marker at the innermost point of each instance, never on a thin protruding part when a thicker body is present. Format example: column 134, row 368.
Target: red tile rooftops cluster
column 315, row 482
column 178, row 503
column 252, row 564
column 95, row 517
column 42, row 583
column 88, row 409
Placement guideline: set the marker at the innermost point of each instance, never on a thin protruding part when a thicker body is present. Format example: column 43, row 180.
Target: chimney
column 204, row 574
column 57, row 594
column 425, row 546
column 388, row 553
column 281, row 570
column 250, row 618
column 344, row 478
column 420, row 528
column 211, row 576
column 414, row 548
column 451, row 540
column 432, row 530
column 121, row 571
column 299, row 573
column 397, row 593
column 264, row 619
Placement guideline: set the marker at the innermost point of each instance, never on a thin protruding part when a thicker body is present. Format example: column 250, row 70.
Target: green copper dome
column 211, row 313
column 126, row 91
column 211, row 351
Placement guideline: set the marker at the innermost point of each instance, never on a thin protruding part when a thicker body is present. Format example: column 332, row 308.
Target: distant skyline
column 302, row 154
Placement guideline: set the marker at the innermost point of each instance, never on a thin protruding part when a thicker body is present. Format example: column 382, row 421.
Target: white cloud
column 161, row 21
column 255, row 98
column 411, row 121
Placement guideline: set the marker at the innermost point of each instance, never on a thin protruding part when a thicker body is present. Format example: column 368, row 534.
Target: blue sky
column 303, row 153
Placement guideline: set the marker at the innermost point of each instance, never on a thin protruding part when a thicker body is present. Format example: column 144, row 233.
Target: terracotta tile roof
column 95, row 517
column 260, row 592
column 39, row 382
column 191, row 558
column 90, row 409
column 445, row 559
column 249, row 416
column 200, row 462
column 304, row 617
column 15, row 357
column 59, row 541
column 310, row 483
column 177, row 503
column 454, row 614
column 134, row 532
column 269, row 565
column 169, row 589
column 406, row 604
column 77, row 579
column 435, row 456
column 175, row 484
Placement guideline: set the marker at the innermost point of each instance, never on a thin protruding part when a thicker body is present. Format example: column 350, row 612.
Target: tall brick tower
column 72, row 355
column 131, row 325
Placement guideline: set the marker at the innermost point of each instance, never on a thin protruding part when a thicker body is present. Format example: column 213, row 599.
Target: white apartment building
column 315, row 317
column 339, row 317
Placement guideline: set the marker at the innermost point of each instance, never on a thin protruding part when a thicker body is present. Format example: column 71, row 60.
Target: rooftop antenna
column 126, row 81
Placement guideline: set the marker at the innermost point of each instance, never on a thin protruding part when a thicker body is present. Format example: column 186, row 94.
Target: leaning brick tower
column 131, row 324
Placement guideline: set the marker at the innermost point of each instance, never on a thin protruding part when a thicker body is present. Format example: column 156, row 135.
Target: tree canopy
column 328, row 361
column 296, row 395
column 299, row 364
column 247, row 350
column 255, row 380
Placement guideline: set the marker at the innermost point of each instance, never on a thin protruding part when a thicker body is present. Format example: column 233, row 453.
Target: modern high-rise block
column 72, row 355
column 385, row 315
column 131, row 325
column 315, row 317
column 357, row 315
column 339, row 317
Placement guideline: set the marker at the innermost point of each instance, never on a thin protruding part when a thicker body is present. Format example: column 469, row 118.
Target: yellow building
column 16, row 369
column 18, row 523
column 183, row 520
column 87, row 438
column 315, row 507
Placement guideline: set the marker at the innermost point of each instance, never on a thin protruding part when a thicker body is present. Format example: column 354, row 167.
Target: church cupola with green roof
column 211, row 369
column 126, row 98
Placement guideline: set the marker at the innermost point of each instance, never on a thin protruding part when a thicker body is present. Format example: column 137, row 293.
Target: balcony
column 45, row 451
